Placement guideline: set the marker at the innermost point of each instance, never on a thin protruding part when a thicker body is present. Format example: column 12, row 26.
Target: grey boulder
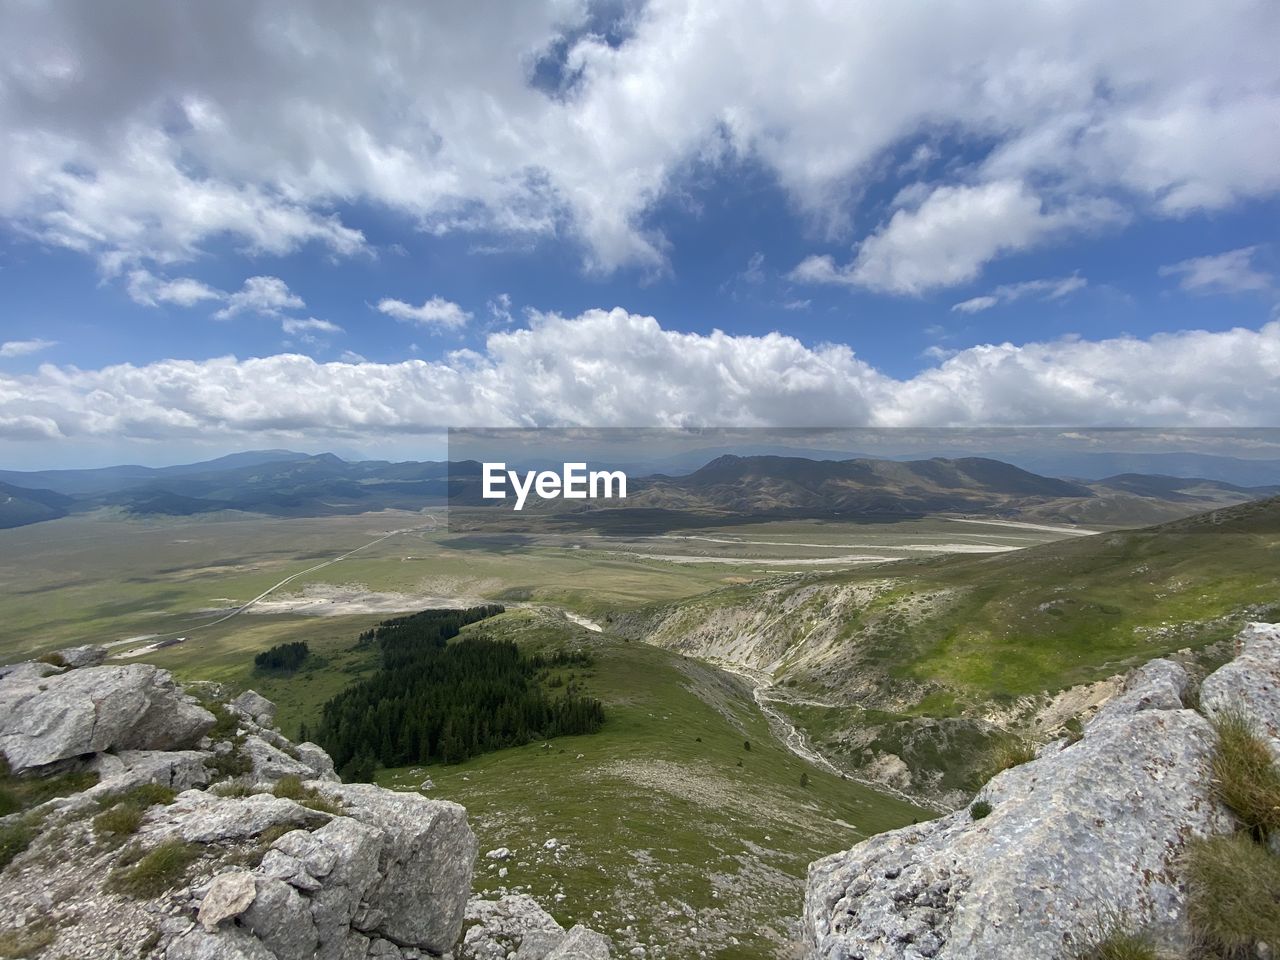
column 1250, row 683
column 138, row 706
column 256, row 707
column 1085, row 830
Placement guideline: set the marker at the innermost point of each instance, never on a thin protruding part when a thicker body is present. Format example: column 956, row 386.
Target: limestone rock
column 501, row 928
column 517, row 927
column 424, row 868
column 228, row 896
column 1251, row 682
column 582, row 943
column 199, row 817
column 93, row 709
column 87, row 656
column 233, row 944
column 271, row 763
column 319, row 762
column 177, row 769
column 256, row 707
column 1092, row 827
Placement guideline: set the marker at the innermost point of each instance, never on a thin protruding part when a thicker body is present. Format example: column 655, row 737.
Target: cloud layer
column 141, row 136
column 607, row 368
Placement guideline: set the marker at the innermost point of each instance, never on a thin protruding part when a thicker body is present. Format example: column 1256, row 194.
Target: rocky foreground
column 188, row 828
column 1088, row 832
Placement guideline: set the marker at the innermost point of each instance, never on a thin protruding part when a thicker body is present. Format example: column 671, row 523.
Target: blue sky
column 231, row 228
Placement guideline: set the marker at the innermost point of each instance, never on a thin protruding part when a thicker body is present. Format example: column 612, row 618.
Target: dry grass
column 1245, row 777
column 1233, row 896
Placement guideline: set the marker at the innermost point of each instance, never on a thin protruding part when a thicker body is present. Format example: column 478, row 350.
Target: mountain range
column 283, row 483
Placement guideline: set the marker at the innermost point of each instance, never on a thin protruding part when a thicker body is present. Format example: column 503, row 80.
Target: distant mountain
column 283, row 483
column 20, row 506
column 795, row 484
column 103, row 480
column 1095, row 466
column 300, row 486
column 1182, row 488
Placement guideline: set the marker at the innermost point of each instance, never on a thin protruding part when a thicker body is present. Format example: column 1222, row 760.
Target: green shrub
column 979, row 809
column 14, row 839
column 1245, row 777
column 1233, row 895
column 292, row 788
column 155, row 872
column 53, row 659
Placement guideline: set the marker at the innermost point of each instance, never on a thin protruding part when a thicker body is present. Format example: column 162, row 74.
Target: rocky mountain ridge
column 184, row 826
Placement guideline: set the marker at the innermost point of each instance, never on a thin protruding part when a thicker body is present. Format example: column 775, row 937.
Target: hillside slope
column 911, row 671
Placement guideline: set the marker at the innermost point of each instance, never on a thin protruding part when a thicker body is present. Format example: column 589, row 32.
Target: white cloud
column 21, row 348
column 147, row 289
column 1230, row 272
column 436, row 313
column 500, row 310
column 136, row 137
column 350, row 356
column 976, row 304
column 292, row 326
column 615, row 368
column 1048, row 289
column 950, row 235
column 266, row 296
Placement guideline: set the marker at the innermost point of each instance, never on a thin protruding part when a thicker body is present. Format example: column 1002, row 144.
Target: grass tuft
column 121, row 820
column 292, row 788
column 1010, row 753
column 143, row 796
column 155, row 872
column 28, row 941
column 1245, row 777
column 123, row 811
column 23, row 793
column 1117, row 938
column 14, row 839
column 1233, row 896
column 52, row 659
column 979, row 809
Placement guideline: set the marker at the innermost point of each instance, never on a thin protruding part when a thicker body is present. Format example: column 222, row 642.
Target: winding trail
column 795, row 740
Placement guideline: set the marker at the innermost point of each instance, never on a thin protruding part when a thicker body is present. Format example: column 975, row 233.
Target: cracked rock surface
column 1087, row 829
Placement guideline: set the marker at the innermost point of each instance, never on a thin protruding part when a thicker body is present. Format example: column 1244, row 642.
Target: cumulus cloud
column 20, row 348
column 1048, row 289
column 607, row 368
column 147, row 289
column 436, row 313
column 1230, row 272
column 949, row 236
column 267, row 296
column 136, row 137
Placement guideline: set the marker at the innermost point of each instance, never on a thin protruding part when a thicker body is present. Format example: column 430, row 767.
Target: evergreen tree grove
column 432, row 701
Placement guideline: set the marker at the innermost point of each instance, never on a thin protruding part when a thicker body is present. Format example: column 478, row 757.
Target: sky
column 331, row 226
